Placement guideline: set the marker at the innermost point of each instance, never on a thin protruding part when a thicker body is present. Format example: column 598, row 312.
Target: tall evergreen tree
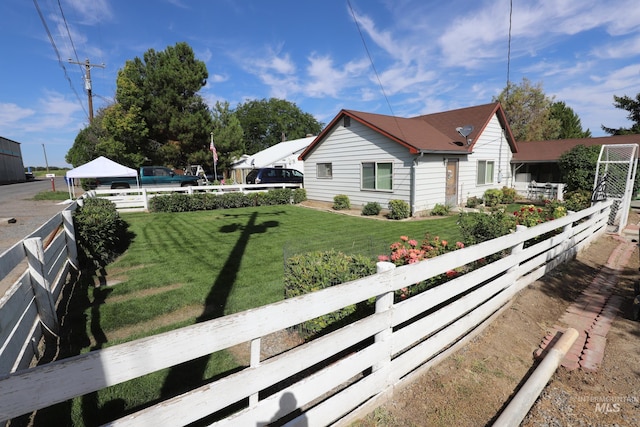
column 163, row 89
column 570, row 125
column 632, row 106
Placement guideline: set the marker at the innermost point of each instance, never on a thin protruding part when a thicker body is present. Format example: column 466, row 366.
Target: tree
column 161, row 91
column 528, row 110
column 632, row 106
column 570, row 125
column 578, row 167
column 228, row 136
column 268, row 122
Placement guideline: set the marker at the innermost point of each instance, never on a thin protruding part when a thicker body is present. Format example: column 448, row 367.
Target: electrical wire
column 55, row 49
column 364, row 43
column 509, row 51
column 66, row 25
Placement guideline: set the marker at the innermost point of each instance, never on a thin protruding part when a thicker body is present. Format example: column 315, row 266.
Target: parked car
column 274, row 176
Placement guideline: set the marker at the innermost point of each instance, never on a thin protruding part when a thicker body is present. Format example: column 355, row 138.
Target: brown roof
column 550, row 151
column 429, row 133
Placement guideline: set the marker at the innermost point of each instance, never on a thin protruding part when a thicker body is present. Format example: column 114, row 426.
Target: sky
column 393, row 57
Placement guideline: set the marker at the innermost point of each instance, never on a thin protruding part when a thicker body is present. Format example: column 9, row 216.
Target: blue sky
column 429, row 56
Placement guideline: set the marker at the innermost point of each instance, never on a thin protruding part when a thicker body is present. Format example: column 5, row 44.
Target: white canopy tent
column 99, row 168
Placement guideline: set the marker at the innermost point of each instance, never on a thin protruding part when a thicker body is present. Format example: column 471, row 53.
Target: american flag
column 212, row 148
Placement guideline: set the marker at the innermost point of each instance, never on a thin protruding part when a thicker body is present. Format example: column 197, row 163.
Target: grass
column 190, row 267
column 51, row 195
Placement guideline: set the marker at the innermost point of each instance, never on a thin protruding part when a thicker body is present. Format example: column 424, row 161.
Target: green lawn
column 182, row 268
column 226, row 261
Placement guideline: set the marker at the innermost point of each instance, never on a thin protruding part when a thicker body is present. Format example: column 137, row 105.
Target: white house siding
column 346, row 149
column 491, row 145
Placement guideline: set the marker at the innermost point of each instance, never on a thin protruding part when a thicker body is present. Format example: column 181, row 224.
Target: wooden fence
column 34, row 272
column 137, row 199
column 335, row 378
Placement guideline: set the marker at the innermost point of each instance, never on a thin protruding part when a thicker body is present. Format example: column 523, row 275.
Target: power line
column 55, row 49
column 369, row 56
column 509, row 51
column 64, row 19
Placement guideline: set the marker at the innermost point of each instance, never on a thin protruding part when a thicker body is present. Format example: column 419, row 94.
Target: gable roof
column 430, row 133
column 551, row 150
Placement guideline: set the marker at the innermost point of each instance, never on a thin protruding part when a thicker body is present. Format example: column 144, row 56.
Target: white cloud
column 620, row 49
column 11, row 114
column 91, row 12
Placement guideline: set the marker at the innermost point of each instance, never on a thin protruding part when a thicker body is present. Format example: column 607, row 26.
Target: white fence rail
column 332, row 379
column 34, row 271
column 137, row 199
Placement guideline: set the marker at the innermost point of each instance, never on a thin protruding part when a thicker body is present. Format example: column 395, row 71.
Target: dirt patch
column 357, row 211
column 471, row 387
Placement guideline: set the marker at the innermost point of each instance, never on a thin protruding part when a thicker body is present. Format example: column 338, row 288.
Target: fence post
column 70, row 237
column 517, row 248
column 145, row 200
column 384, row 303
column 40, row 284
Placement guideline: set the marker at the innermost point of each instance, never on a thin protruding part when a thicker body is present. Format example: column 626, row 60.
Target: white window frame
column 488, row 172
column 376, row 176
column 327, row 167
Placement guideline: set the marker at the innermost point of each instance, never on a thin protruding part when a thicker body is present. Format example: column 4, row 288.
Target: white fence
column 33, row 271
column 137, row 199
column 335, row 378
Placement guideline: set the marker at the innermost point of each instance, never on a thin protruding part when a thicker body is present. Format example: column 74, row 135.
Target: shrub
column 492, row 197
column 371, row 208
column 299, row 195
column 473, row 202
column 577, row 200
column 509, row 195
column 100, row 232
column 440, row 210
column 341, row 202
column 479, row 227
column 529, row 216
column 321, row 269
column 399, row 209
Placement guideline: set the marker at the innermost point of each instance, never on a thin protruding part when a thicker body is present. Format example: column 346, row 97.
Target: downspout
column 414, row 164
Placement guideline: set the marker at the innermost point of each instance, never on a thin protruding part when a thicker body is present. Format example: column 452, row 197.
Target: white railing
column 137, row 199
column 335, row 378
column 33, row 272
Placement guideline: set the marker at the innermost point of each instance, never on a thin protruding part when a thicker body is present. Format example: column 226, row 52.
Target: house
column 441, row 158
column 282, row 155
column 538, row 160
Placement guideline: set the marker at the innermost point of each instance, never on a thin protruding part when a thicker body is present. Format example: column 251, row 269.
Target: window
column 377, row 176
column 347, row 121
column 485, row 171
column 324, row 170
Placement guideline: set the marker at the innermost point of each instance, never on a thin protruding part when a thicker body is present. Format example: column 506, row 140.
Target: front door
column 451, row 196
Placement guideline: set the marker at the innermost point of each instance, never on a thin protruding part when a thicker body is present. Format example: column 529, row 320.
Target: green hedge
column 178, row 202
column 101, row 233
column 317, row 270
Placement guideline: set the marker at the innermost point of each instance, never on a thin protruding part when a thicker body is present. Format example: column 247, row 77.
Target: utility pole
column 45, row 158
column 87, row 82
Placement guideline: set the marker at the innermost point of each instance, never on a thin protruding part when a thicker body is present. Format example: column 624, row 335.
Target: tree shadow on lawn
column 189, row 375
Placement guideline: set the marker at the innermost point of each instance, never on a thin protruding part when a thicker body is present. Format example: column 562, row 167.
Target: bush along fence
column 340, row 375
column 182, row 199
column 34, row 272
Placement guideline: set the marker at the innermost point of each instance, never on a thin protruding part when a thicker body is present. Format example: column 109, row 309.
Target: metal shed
column 11, row 165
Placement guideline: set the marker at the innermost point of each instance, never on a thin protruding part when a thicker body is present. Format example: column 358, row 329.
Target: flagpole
column 213, row 156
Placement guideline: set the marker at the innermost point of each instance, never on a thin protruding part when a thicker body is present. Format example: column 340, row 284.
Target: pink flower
column 451, row 273
column 404, row 238
column 444, row 243
column 459, row 245
column 383, row 258
column 413, row 242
